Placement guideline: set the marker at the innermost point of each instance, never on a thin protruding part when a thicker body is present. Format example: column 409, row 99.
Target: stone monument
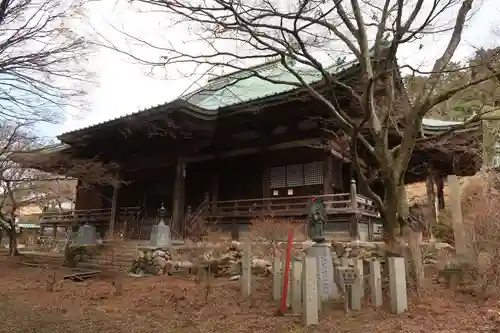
column 327, row 289
column 321, row 251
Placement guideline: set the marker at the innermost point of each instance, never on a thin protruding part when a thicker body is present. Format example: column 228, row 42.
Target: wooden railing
column 193, row 220
column 290, row 206
column 87, row 215
column 192, row 217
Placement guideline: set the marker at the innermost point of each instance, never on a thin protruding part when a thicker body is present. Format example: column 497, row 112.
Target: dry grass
column 172, row 304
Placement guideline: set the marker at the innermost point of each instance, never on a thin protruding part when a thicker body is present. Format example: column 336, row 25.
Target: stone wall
column 151, row 260
column 225, row 258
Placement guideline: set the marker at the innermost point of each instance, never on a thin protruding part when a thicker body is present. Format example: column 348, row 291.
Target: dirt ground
column 175, row 304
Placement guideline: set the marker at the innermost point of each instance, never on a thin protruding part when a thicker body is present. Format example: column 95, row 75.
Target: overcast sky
column 124, row 87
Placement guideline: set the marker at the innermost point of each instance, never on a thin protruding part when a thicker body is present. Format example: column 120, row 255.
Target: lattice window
column 313, row 173
column 278, row 177
column 294, row 175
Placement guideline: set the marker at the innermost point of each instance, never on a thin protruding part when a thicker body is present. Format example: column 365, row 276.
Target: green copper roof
column 251, row 84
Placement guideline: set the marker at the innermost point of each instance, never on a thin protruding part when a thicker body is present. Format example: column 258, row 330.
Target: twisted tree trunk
column 12, row 242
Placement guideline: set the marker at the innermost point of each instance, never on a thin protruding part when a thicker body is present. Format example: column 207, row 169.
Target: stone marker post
column 310, row 291
column 361, row 277
column 276, row 278
column 246, row 271
column 296, row 300
column 282, row 281
column 375, row 282
column 347, row 278
column 397, row 285
column 462, row 240
column 327, row 289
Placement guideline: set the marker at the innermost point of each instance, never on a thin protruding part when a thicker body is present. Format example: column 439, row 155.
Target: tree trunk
column 12, row 242
column 390, row 216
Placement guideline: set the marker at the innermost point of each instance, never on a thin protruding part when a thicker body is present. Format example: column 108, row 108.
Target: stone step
column 102, row 267
column 107, row 263
column 118, row 255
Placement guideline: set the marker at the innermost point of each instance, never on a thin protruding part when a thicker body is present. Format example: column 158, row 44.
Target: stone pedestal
column 327, row 289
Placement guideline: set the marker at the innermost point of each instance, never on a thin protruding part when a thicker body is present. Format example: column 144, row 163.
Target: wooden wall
column 241, row 177
column 199, row 180
column 88, row 196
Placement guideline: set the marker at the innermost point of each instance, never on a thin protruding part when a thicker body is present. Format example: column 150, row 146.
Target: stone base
column 327, row 289
column 151, row 260
column 319, row 239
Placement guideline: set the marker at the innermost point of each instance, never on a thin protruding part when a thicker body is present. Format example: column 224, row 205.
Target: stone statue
column 317, row 219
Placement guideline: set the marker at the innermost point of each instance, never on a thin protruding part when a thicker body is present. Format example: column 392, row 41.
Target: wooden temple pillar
column 213, row 194
column 354, row 228
column 114, row 211
column 179, row 197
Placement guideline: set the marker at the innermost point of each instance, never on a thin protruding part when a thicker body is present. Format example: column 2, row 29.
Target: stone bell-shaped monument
column 160, row 233
column 86, row 236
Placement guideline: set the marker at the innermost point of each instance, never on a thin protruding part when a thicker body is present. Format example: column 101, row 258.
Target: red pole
column 288, row 259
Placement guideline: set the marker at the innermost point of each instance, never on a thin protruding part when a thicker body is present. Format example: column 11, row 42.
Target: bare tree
column 16, row 182
column 41, row 60
column 303, row 35
column 23, row 184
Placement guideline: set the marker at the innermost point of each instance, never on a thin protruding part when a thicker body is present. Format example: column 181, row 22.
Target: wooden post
column 354, row 210
column 188, row 216
column 178, row 202
column 114, row 212
column 246, row 272
column 370, row 229
column 214, row 191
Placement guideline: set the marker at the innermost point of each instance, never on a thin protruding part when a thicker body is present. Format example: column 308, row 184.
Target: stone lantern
column 87, row 236
column 160, row 233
